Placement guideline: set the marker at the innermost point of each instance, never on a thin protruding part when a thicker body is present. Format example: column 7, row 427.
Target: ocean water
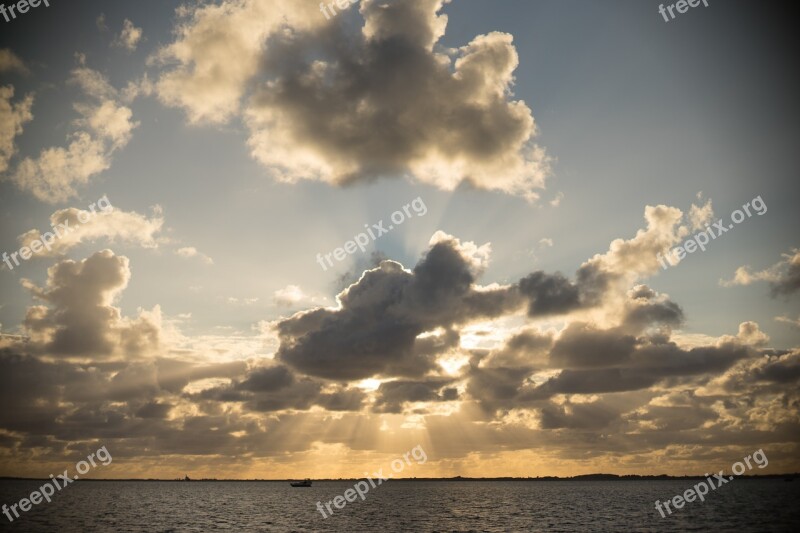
column 423, row 506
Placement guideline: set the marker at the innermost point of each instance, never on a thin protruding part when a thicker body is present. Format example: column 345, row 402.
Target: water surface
column 424, row 506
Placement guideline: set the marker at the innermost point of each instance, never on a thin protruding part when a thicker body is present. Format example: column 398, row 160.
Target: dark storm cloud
column 576, row 416
column 595, row 381
column 498, row 388
column 154, row 410
column 648, row 308
column 593, row 361
column 276, row 388
column 675, row 417
column 342, row 400
column 550, row 294
column 267, row 379
column 27, row 392
column 375, row 331
column 393, row 394
column 525, row 348
column 784, row 369
column 582, row 346
column 641, row 367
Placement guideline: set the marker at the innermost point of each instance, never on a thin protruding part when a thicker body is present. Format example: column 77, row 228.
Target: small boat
column 305, row 483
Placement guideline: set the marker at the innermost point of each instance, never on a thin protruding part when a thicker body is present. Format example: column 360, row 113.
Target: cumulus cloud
column 13, row 115
column 350, row 107
column 129, row 37
column 78, row 318
column 377, row 328
column 113, row 225
column 552, row 374
column 581, row 390
column 104, row 126
column 202, row 78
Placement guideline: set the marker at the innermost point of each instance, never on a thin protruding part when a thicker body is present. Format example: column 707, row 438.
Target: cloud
column 783, row 276
column 634, row 259
column 751, row 334
column 10, row 62
column 100, row 22
column 242, row 301
column 277, row 388
column 603, row 378
column 647, row 308
column 699, row 216
column 191, row 251
column 113, row 225
column 129, row 37
column 218, row 51
column 346, row 107
column 289, row 295
column 788, row 320
column 392, row 395
column 293, row 296
column 104, row 127
column 377, row 327
column 582, row 346
column 12, row 117
column 357, row 111
column 79, row 319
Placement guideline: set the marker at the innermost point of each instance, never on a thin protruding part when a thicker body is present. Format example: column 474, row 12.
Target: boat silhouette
column 305, row 483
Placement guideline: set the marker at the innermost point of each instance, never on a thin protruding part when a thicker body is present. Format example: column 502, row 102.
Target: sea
column 743, row 505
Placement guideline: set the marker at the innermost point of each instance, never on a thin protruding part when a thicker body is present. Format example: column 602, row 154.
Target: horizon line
column 579, row 477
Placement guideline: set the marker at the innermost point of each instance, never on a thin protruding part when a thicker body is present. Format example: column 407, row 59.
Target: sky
column 297, row 244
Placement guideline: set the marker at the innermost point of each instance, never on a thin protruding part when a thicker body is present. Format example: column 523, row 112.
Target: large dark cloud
column 344, row 102
column 375, row 331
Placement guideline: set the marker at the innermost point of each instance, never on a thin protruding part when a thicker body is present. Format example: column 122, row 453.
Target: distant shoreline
column 585, row 477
